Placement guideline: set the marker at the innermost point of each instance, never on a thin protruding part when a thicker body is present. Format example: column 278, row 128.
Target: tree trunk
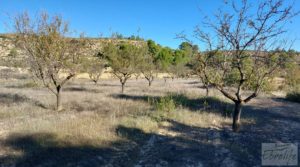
column 150, row 82
column 207, row 90
column 95, row 82
column 58, row 100
column 236, row 116
column 123, row 86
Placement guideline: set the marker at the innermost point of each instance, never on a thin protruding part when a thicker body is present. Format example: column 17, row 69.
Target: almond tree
column 53, row 58
column 198, row 64
column 94, row 66
column 149, row 66
column 239, row 43
column 123, row 58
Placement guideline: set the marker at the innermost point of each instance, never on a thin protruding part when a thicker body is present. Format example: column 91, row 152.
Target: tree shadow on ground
column 260, row 123
column 282, row 110
column 212, row 104
column 176, row 145
column 207, row 104
column 10, row 99
column 111, row 85
column 43, row 149
column 284, row 99
column 198, row 84
column 180, row 145
column 194, row 83
column 22, row 86
column 192, row 146
column 82, row 89
column 88, row 105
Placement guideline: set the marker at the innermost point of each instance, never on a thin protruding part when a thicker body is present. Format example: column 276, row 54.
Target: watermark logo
column 279, row 154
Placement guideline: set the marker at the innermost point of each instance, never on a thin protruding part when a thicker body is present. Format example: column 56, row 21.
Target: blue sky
column 159, row 20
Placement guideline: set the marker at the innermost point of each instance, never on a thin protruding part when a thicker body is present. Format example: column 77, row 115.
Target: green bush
column 164, row 107
column 293, row 96
column 163, row 104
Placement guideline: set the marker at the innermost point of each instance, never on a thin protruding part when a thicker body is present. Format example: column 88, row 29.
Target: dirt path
column 180, row 145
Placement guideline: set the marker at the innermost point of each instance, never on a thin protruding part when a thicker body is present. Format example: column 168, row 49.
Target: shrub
column 293, row 96
column 164, row 104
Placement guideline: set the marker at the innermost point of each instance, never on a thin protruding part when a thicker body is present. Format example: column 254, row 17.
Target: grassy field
column 168, row 124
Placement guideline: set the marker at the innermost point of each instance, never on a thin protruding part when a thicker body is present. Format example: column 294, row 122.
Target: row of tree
column 147, row 58
column 237, row 58
column 54, row 58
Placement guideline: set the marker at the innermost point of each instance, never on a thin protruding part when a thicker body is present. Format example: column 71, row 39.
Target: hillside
column 7, row 43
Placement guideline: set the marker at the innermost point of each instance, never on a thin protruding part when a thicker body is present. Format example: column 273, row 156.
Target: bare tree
column 199, row 67
column 53, row 58
column 137, row 75
column 239, row 43
column 148, row 68
column 94, row 66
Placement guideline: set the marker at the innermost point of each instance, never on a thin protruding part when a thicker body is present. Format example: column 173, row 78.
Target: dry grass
column 73, row 129
column 93, row 112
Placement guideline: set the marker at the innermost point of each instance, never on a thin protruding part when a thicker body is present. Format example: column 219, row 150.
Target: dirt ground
column 101, row 127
